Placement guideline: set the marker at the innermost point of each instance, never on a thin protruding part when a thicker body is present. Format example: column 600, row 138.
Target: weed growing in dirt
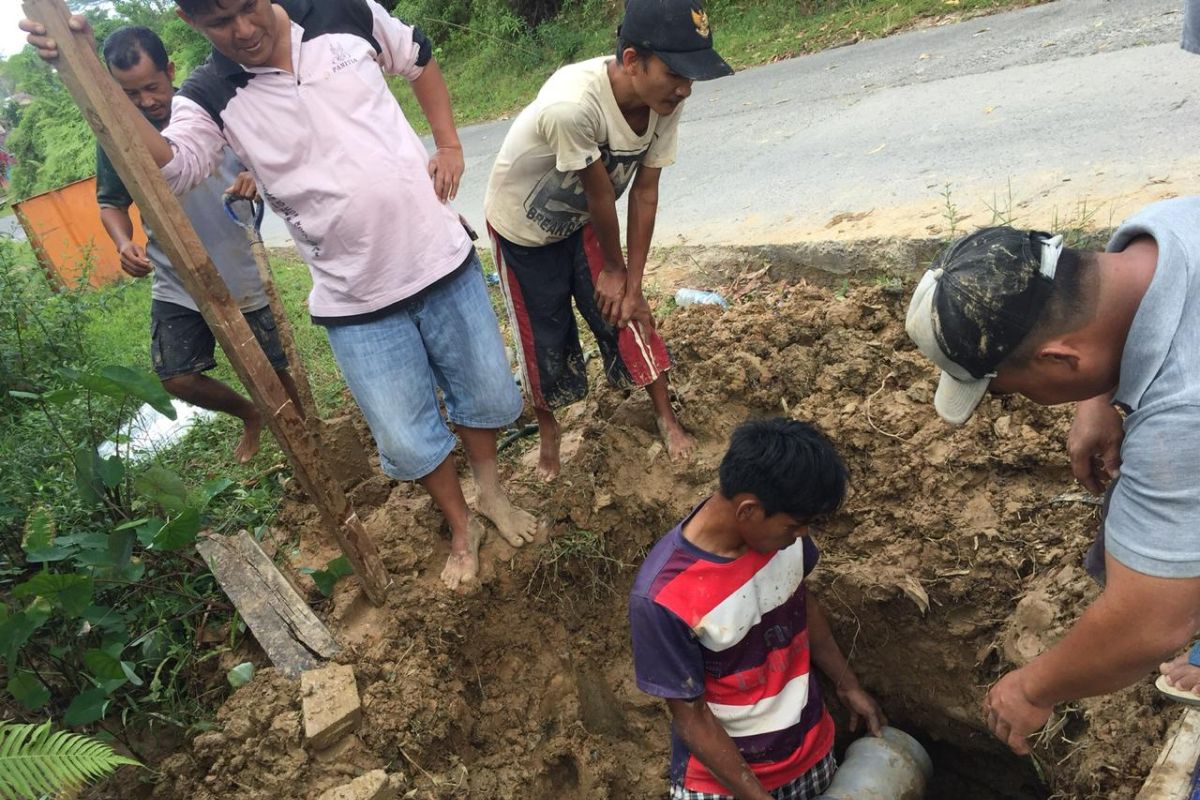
column 1003, row 208
column 950, row 213
column 576, row 565
column 1079, row 228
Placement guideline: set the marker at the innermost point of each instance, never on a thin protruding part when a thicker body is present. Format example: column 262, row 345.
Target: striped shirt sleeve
column 667, row 659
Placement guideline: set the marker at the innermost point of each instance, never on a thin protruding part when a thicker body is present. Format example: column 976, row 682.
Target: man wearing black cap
column 1118, row 333
column 551, row 210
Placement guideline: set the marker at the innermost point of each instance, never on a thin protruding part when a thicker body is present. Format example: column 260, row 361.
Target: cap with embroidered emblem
column 678, row 32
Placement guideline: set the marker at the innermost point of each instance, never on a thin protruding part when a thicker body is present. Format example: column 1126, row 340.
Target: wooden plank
column 282, row 623
column 112, row 117
column 1171, row 776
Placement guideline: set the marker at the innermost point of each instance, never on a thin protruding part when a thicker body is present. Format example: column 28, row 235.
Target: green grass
column 119, row 333
column 492, row 75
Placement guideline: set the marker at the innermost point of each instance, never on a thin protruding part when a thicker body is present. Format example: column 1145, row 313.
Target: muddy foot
column 462, row 567
column 247, row 446
column 1180, row 674
column 516, row 526
column 679, row 442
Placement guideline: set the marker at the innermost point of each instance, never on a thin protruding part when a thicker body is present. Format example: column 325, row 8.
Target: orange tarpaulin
column 63, row 225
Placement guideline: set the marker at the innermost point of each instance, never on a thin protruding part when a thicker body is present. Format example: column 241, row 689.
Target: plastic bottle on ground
column 689, row 297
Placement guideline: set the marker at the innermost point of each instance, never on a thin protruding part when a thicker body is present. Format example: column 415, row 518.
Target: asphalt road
column 10, row 228
column 1073, row 101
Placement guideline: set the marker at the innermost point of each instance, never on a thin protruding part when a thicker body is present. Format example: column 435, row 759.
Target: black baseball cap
column 676, row 31
column 977, row 301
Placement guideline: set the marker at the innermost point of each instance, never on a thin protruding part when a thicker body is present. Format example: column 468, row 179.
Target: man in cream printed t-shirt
column 595, row 127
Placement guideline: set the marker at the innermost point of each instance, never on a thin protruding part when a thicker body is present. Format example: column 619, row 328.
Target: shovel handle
column 257, row 206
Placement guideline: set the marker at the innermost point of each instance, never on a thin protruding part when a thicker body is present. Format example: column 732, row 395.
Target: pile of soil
column 956, row 557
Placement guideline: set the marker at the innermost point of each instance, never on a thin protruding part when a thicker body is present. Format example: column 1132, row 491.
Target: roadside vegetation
column 109, row 621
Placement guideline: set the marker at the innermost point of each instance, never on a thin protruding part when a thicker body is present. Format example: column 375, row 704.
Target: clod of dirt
column 375, row 785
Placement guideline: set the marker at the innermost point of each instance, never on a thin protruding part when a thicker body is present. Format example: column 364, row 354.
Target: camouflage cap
column 979, row 298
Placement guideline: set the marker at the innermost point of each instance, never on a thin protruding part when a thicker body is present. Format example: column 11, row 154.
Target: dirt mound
column 956, row 557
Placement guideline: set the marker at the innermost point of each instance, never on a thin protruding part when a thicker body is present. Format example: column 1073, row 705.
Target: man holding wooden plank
column 181, row 345
column 297, row 90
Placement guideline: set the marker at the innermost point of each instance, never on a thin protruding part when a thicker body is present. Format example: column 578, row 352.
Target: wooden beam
column 1171, row 778
column 109, row 113
column 293, row 638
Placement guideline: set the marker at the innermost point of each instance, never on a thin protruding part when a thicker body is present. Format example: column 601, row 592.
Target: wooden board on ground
column 1171, row 777
column 286, row 628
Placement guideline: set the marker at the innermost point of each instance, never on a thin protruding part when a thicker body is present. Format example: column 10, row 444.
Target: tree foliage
column 51, row 143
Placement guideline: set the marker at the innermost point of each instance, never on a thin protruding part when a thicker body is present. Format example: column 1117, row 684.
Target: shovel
column 253, row 228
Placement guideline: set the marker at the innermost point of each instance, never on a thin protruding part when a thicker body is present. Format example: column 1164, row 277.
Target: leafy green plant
column 327, row 578
column 95, row 616
column 36, row 761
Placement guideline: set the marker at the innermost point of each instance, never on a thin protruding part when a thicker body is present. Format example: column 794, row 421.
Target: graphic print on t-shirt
column 558, row 204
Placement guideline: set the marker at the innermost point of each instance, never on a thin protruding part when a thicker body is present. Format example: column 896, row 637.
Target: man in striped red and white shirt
column 724, row 630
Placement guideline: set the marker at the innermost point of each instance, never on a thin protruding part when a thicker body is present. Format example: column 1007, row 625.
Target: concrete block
column 375, row 785
column 329, row 700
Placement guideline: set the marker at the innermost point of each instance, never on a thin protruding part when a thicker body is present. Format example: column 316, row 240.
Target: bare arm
column 446, row 165
column 119, row 226
column 829, row 659
column 1114, row 643
column 643, row 209
column 602, row 206
column 708, row 741
column 1094, row 443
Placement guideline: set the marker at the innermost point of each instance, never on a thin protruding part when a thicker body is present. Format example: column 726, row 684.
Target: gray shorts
column 182, row 344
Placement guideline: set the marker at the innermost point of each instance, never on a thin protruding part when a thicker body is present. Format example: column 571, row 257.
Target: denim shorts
column 444, row 338
column 181, row 342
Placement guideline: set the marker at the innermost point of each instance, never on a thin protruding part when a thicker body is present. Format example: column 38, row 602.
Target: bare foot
column 462, row 567
column 679, row 443
column 1180, row 674
column 247, row 446
column 516, row 526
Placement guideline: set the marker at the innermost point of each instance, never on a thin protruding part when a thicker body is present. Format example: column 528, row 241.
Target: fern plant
column 36, row 762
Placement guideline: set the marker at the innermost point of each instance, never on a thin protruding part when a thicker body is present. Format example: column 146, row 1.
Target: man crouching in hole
column 722, row 624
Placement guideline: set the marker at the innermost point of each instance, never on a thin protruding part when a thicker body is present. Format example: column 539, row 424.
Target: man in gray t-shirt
column 1118, row 332
column 181, row 345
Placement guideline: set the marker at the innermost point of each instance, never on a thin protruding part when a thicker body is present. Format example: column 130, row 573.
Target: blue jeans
column 446, row 337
